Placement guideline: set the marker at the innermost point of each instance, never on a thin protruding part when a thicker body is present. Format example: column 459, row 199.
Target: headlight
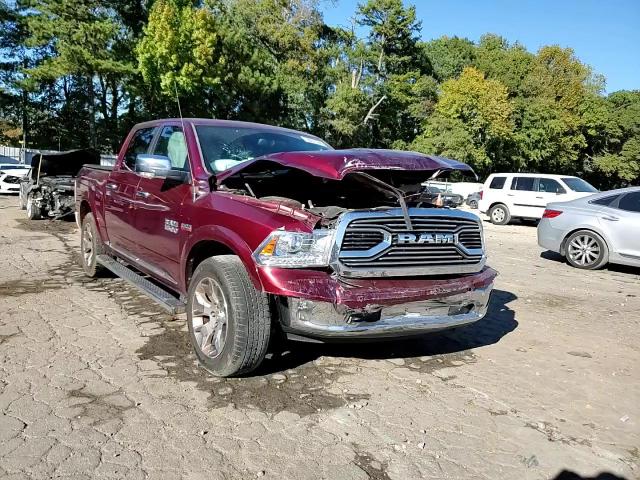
column 296, row 249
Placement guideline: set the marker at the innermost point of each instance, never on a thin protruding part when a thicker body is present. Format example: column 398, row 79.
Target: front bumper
column 325, row 320
column 327, row 307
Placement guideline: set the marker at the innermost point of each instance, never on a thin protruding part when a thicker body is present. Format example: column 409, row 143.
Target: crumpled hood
column 335, row 164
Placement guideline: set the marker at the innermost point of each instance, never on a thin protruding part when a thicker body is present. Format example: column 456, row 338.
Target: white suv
column 525, row 195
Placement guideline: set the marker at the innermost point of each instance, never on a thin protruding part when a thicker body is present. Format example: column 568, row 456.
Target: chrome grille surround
column 390, row 259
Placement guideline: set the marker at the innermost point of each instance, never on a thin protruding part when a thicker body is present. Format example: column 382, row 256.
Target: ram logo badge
column 420, row 238
column 171, row 225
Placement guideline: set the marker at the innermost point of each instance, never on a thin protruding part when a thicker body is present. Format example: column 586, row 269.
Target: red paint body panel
column 134, row 227
column 335, row 164
column 359, row 293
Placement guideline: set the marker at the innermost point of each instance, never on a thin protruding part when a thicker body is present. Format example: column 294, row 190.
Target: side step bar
column 164, row 298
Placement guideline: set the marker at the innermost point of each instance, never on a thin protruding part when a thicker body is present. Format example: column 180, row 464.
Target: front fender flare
column 229, row 239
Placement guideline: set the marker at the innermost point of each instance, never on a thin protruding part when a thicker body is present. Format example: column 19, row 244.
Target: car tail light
column 549, row 213
column 481, row 193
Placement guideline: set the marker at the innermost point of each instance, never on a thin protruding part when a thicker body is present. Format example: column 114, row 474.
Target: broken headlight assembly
column 296, row 249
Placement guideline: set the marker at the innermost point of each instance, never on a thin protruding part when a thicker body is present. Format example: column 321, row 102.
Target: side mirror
column 158, row 166
column 153, row 165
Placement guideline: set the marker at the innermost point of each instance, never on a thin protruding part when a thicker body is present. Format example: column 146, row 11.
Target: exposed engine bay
column 328, row 198
column 49, row 188
column 53, row 196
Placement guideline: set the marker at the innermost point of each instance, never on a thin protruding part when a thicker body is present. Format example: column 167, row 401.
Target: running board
column 164, row 298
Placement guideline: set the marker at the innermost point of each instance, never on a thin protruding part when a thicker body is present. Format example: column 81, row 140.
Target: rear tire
column 228, row 318
column 586, row 250
column 473, row 204
column 499, row 214
column 90, row 247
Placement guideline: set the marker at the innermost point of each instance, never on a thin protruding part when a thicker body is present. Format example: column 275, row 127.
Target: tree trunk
column 92, row 113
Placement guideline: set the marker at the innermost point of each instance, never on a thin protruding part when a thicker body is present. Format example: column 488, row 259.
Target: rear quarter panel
column 90, row 188
column 575, row 218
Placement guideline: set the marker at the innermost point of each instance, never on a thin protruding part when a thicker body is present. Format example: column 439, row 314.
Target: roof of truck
column 222, row 123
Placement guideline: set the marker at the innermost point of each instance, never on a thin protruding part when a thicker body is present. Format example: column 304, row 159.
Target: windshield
column 226, row 147
column 579, row 185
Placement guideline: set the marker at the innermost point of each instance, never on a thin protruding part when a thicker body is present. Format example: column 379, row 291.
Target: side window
column 548, row 185
column 605, row 201
column 171, row 144
column 497, row 183
column 630, row 202
column 523, row 184
column 139, row 144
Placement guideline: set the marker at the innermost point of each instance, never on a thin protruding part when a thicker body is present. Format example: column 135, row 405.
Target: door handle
column 112, row 186
column 510, row 195
column 540, row 198
column 142, row 194
column 611, row 219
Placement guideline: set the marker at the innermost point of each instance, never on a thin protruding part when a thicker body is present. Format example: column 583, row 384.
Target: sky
column 603, row 34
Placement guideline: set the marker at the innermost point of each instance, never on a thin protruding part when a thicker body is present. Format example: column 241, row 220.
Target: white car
column 593, row 231
column 506, row 196
column 10, row 175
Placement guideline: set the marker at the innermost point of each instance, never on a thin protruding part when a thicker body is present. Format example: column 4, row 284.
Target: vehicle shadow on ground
column 611, row 267
column 499, row 321
column 568, row 475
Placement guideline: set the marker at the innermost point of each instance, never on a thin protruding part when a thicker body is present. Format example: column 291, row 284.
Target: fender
column 226, row 237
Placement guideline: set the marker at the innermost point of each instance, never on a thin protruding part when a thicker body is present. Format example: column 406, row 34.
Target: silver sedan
column 595, row 230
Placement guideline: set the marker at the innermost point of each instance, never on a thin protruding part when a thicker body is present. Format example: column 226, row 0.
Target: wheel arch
column 210, row 241
column 85, row 208
column 588, row 228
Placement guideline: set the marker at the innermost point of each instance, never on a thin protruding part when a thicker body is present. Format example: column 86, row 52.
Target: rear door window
column 549, row 185
column 605, row 201
column 630, row 202
column 139, row 143
column 523, row 184
column 497, row 183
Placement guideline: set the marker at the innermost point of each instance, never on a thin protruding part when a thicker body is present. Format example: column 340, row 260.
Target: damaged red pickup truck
column 254, row 229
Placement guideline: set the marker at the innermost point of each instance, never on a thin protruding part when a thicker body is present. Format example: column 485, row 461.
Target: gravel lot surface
column 97, row 382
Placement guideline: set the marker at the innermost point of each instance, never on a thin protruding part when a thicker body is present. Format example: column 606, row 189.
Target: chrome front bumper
column 326, row 320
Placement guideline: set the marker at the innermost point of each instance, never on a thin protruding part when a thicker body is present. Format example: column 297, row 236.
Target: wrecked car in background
column 47, row 190
column 254, row 229
column 10, row 175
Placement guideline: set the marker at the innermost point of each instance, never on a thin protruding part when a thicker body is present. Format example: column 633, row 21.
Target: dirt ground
column 97, row 382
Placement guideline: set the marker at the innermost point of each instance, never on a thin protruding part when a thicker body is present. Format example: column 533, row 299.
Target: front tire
column 228, row 318
column 90, row 247
column 499, row 214
column 33, row 211
column 586, row 250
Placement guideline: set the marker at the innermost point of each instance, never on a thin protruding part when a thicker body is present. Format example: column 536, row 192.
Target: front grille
column 361, row 239
column 429, row 252
column 470, row 238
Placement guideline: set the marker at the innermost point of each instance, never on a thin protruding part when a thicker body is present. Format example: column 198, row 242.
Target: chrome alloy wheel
column 209, row 317
column 584, row 250
column 498, row 215
column 87, row 243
